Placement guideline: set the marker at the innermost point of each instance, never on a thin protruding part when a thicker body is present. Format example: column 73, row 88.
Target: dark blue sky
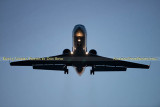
column 115, row 28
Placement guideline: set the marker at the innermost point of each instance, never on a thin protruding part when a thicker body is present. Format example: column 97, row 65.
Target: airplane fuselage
column 79, row 45
column 79, row 40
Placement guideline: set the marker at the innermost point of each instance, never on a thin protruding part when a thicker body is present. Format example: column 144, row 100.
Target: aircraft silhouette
column 79, row 58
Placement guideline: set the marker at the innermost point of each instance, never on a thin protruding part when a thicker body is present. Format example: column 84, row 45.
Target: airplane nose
column 79, row 33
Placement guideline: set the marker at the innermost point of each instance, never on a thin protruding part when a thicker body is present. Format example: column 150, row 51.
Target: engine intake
column 66, row 51
column 93, row 51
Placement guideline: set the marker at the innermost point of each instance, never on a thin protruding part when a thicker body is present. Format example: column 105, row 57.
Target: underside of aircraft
column 79, row 58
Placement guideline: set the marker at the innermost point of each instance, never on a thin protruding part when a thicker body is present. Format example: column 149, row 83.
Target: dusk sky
column 115, row 28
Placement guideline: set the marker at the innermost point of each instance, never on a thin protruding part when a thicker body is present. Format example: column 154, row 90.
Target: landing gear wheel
column 92, row 72
column 66, row 71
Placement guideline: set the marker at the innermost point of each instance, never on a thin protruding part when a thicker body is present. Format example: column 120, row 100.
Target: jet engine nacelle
column 66, row 51
column 93, row 51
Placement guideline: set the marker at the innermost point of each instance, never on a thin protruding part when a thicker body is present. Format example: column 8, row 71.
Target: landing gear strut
column 92, row 72
column 66, row 71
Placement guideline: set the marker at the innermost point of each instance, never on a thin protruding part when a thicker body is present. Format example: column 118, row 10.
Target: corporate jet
column 79, row 58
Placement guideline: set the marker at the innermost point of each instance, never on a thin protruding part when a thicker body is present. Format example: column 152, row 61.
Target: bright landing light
column 79, row 34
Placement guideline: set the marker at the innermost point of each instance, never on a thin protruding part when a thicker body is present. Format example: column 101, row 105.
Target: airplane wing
column 99, row 60
column 89, row 60
column 59, row 59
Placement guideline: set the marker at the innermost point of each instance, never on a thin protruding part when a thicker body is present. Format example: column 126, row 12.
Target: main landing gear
column 66, row 71
column 92, row 72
